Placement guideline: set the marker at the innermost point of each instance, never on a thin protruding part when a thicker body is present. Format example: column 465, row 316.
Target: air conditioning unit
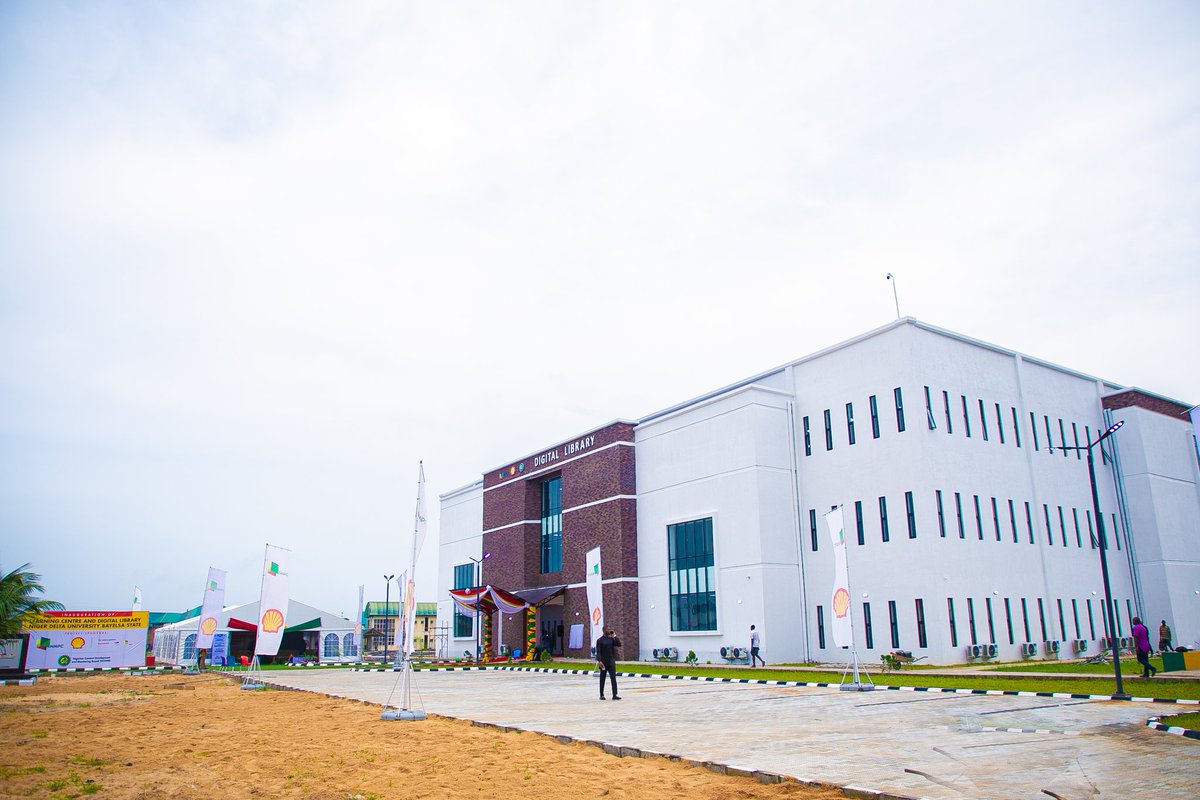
column 1079, row 645
column 672, row 653
column 1106, row 643
column 1127, row 642
column 990, row 650
column 975, row 651
column 657, row 653
column 1052, row 646
column 1029, row 648
column 726, row 652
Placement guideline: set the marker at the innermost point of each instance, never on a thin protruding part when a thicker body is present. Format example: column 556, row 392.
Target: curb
column 18, row 681
column 164, row 668
column 1154, row 724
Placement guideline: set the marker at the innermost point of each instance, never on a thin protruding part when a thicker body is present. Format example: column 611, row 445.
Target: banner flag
column 595, row 594
column 409, row 592
column 273, row 602
column 137, row 598
column 210, row 609
column 358, row 628
column 843, row 635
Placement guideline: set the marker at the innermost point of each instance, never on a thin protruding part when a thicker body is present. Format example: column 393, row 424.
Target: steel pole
column 1108, row 603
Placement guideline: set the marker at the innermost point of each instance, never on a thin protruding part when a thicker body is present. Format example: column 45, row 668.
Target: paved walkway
column 916, row 744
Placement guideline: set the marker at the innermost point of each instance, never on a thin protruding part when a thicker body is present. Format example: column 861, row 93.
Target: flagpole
column 406, row 711
column 853, row 666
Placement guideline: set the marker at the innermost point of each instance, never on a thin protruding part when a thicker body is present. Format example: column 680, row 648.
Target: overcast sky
column 257, row 260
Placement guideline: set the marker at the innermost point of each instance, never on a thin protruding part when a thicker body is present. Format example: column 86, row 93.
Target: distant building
column 967, row 524
column 380, row 620
column 309, row 634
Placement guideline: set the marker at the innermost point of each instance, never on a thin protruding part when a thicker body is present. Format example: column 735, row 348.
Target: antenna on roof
column 892, row 278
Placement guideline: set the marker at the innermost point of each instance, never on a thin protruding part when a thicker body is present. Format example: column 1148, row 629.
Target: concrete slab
column 936, row 746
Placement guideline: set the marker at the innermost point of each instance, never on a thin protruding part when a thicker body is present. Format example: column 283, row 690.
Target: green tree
column 18, row 590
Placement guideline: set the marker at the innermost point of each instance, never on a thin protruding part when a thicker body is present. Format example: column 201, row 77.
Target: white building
column 966, row 522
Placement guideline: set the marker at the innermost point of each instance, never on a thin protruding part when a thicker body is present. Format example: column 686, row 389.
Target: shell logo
column 841, row 602
column 208, row 626
column 272, row 621
column 596, row 615
column 77, row 642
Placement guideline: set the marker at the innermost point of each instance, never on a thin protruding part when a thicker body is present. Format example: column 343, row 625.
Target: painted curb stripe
column 1188, row 733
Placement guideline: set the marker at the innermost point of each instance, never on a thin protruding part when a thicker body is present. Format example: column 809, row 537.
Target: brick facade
column 1159, row 405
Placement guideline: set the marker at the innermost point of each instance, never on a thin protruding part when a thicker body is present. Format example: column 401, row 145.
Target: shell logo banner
column 86, row 639
column 210, row 609
column 595, row 594
column 273, row 603
column 843, row 635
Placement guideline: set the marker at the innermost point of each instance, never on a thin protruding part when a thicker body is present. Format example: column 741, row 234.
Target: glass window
column 883, row 522
column 962, row 533
column 820, row 627
column 812, row 527
column 850, row 422
column 1078, row 531
column 895, row 623
column 921, row 640
column 978, row 518
column 1062, row 526
column 1025, row 618
column 1049, row 438
column 349, row 646
column 464, row 578
column 1008, row 620
column 996, row 518
column 1091, row 529
column 1042, row 619
column 1029, row 521
column 1062, row 440
column 949, row 421
column 807, row 438
column 971, row 620
column 941, row 514
column 899, row 409
column 330, row 645
column 1000, row 423
column 983, row 420
column 1116, row 531
column 1016, row 427
column 858, row 520
column 874, row 417
column 966, row 417
column 1078, row 453
column 1062, row 621
column 1049, row 532
column 987, row 602
column 1075, row 616
column 189, row 647
column 691, row 576
column 552, row 525
column 929, row 410
column 828, row 431
column 1091, row 620
column 1012, row 519
column 953, row 627
column 867, row 624
column 1033, row 427
column 912, row 517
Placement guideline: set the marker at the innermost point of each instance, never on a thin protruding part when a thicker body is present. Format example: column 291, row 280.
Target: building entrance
column 550, row 632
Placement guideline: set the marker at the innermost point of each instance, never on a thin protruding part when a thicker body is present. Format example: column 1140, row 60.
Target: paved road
column 936, row 746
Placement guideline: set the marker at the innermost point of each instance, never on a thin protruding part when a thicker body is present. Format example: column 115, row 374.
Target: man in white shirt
column 754, row 644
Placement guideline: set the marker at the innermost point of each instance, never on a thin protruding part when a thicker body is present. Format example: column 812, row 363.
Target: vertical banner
column 595, row 594
column 410, row 591
column 843, row 635
column 137, row 598
column 358, row 628
column 273, row 602
column 210, row 609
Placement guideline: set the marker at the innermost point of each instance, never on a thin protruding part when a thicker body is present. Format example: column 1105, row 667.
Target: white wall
column 460, row 539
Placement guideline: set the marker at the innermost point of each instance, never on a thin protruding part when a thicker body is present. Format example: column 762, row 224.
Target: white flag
column 273, row 602
column 358, row 628
column 595, row 594
column 840, row 600
column 137, row 598
column 210, row 609
column 408, row 592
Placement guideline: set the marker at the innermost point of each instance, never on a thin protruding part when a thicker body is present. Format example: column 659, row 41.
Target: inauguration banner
column 843, row 634
column 273, row 602
column 74, row 639
column 595, row 594
column 210, row 609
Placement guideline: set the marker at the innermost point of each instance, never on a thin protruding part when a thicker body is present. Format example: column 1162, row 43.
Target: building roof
column 300, row 616
column 392, row 608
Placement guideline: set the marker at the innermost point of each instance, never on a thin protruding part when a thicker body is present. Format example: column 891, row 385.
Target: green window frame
column 691, row 575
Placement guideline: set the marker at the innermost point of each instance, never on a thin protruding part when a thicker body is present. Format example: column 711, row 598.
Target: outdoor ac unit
column 657, row 653
column 672, row 652
column 1053, row 646
column 1106, row 643
column 726, row 652
column 974, row 651
column 1079, row 645
column 991, row 650
column 1127, row 642
column 1029, row 648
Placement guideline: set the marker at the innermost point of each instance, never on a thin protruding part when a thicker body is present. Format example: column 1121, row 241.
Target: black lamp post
column 478, row 562
column 1108, row 602
column 387, row 603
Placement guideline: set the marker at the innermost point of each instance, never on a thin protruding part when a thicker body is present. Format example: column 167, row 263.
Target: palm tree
column 17, row 590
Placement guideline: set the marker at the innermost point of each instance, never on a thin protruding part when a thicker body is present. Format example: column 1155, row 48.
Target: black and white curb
column 1175, row 729
column 164, row 668
column 18, row 681
column 1030, row 730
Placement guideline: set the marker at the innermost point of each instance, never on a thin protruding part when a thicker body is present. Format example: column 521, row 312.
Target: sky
column 259, row 260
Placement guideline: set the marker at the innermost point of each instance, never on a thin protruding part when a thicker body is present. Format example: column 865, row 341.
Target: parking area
column 917, row 744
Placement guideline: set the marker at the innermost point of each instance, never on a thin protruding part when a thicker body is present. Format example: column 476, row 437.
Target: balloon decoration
column 530, row 633
column 487, row 636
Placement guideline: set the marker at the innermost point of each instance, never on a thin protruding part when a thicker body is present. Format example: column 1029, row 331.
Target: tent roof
column 299, row 617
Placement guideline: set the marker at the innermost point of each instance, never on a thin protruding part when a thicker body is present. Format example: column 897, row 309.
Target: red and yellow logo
column 841, row 603
column 272, row 621
column 208, row 626
column 77, row 642
column 596, row 615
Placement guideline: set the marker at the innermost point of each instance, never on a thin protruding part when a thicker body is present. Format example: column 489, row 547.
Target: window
column 941, row 514
column 971, row 620
column 1091, row 620
column 828, row 431
column 349, row 646
column 962, row 534
column 1049, row 532
column 921, row 641
column 966, row 417
column 1016, row 427
column 1129, row 608
column 1049, row 438
column 883, row 523
column 189, row 647
column 949, row 421
column 1078, row 455
column 1008, row 620
column 858, row 519
column 996, row 518
column 1062, row 440
column 812, row 526
column 1062, row 621
column 552, row 525
column 1025, row 618
column 807, row 438
column 894, row 624
column 1117, row 614
column 953, row 627
column 874, row 417
column 1000, row 423
column 1012, row 519
column 1062, row 527
column 820, row 627
column 1029, row 521
column 1078, row 532
column 850, row 422
column 1091, row 530
column 1033, row 427
column 1042, row 619
column 464, row 578
column 329, row 647
column 978, row 518
column 899, row 409
column 1075, row 616
column 867, row 624
column 983, row 420
column 691, row 576
column 929, row 411
column 912, row 517
column 1116, row 531
column 987, row 603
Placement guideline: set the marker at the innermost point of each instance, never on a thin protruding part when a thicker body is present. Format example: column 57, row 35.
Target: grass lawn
column 1183, row 720
column 1129, row 666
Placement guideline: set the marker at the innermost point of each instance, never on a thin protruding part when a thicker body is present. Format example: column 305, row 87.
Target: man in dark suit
column 606, row 656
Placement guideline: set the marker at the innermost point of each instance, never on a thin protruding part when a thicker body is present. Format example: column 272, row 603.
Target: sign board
column 77, row 639
column 12, row 652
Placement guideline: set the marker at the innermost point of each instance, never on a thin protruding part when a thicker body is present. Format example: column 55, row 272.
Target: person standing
column 1141, row 640
column 1164, row 637
column 755, row 643
column 606, row 656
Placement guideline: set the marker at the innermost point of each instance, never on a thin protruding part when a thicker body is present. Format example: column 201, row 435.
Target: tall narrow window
column 1025, row 618
column 691, row 576
column 953, row 627
column 1000, row 423
column 1116, row 532
column 874, row 417
column 929, row 410
column 1091, row 620
column 812, row 527
column 552, row 525
column 921, row 640
column 1075, row 433
column 983, row 420
column 1062, row 440
column 1049, row 530
column 1075, row 616
column 987, row 602
column 850, row 422
column 828, row 431
column 1012, row 519
column 1049, row 437
column 996, row 518
column 966, row 417
column 1091, row 529
column 883, row 520
column 1016, row 427
column 941, row 514
column 978, row 518
column 1008, row 620
column 962, row 533
column 1062, row 621
column 1042, row 619
column 1033, row 427
column 858, row 521
column 895, row 623
column 912, row 516
column 807, row 438
column 949, row 421
column 820, row 627
column 867, row 624
column 1078, row 532
column 1029, row 521
column 464, row 578
column 971, row 620
column 899, row 409
column 1062, row 525
column 1117, row 615
column 1129, row 608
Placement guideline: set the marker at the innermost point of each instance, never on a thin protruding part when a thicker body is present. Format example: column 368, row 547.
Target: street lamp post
column 387, row 601
column 1108, row 601
column 478, row 562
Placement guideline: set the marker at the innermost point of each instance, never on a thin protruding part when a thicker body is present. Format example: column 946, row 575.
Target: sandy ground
column 159, row 736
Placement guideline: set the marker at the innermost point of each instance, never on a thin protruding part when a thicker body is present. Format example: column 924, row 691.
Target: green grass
column 11, row 772
column 1183, row 720
column 1129, row 666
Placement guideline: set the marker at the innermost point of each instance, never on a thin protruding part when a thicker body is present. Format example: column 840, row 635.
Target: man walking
column 606, row 656
column 754, row 645
column 1141, row 641
column 1164, row 637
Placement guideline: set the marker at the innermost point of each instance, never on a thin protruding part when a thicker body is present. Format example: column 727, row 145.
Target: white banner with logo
column 273, row 602
column 137, row 598
column 595, row 594
column 83, row 639
column 843, row 635
column 210, row 609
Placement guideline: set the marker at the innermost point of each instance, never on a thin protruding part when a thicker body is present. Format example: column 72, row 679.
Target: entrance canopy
column 492, row 598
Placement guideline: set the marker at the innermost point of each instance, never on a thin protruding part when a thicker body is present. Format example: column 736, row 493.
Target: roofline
column 478, row 484
column 1148, row 393
column 540, row 450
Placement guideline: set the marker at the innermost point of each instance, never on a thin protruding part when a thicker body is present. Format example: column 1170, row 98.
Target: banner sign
column 210, row 609
column 60, row 639
column 843, row 635
column 273, row 602
column 11, row 651
column 595, row 594
column 219, row 653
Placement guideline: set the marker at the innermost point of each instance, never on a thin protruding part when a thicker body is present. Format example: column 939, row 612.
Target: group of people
column 1141, row 643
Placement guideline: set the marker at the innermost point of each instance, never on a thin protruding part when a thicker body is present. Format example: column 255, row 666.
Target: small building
column 379, row 622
